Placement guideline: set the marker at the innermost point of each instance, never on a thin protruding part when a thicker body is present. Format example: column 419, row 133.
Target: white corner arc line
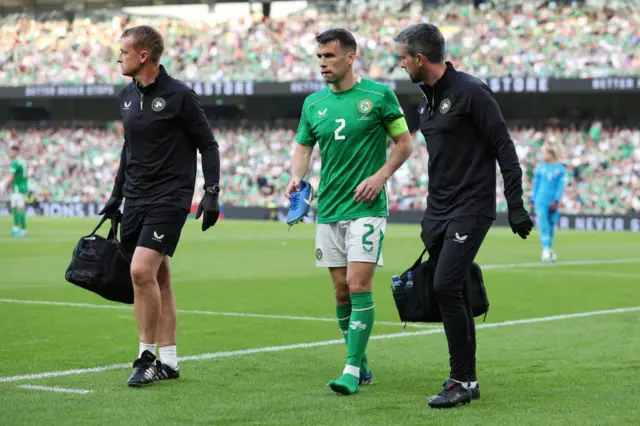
column 228, row 354
column 56, row 389
column 199, row 312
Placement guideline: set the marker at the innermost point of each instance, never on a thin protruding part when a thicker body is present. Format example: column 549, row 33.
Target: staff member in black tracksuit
column 465, row 135
column 164, row 127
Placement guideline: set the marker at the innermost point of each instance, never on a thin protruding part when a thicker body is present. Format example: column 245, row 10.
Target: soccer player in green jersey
column 351, row 120
column 18, row 184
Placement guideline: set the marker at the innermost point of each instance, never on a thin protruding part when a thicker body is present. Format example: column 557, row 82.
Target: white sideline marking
column 559, row 263
column 591, row 274
column 55, row 389
column 198, row 312
column 302, row 318
column 228, row 354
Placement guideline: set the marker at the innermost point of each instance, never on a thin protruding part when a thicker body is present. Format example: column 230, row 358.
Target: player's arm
column 300, row 160
column 488, row 119
column 200, row 135
column 403, row 146
column 397, row 129
column 15, row 169
column 301, row 157
column 9, row 181
column 394, row 122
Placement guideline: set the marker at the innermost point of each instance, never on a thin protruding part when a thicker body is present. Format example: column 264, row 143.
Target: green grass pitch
column 271, row 368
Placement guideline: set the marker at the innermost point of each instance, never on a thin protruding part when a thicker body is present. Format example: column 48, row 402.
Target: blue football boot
column 300, row 203
column 365, row 379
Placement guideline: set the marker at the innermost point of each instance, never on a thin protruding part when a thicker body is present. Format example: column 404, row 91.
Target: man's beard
column 332, row 78
column 418, row 77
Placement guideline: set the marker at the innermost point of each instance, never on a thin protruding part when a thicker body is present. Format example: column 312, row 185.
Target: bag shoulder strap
column 419, row 261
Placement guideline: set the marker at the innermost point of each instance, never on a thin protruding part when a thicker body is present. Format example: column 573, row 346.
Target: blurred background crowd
column 78, row 163
column 562, row 41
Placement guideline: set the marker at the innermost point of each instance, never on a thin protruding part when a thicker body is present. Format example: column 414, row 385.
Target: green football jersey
column 19, row 171
column 352, row 130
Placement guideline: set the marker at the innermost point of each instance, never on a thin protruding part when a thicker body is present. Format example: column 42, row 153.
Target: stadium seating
column 79, row 164
column 560, row 42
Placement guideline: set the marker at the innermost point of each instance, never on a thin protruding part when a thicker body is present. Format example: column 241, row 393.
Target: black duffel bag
column 102, row 266
column 418, row 303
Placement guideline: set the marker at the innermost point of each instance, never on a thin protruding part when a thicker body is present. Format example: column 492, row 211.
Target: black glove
column 112, row 207
column 210, row 206
column 520, row 222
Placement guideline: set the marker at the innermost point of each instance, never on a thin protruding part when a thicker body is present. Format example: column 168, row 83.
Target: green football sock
column 23, row 220
column 16, row 219
column 362, row 317
column 343, row 313
column 357, row 338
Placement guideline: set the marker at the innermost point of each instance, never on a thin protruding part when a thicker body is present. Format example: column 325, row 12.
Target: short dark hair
column 14, row 148
column 146, row 38
column 345, row 38
column 425, row 39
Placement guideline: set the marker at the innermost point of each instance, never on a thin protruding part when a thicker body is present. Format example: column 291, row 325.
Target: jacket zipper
column 141, row 98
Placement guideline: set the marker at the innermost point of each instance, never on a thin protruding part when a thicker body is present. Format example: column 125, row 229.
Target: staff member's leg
column 463, row 238
column 167, row 327
column 153, row 304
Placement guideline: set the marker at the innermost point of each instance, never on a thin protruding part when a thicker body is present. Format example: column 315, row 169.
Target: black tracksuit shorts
column 157, row 227
column 452, row 245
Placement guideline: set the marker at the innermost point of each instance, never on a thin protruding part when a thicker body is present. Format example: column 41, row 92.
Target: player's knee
column 141, row 274
column 358, row 284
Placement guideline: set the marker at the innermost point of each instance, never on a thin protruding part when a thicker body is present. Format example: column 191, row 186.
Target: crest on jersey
column 445, row 105
column 365, row 106
column 158, row 104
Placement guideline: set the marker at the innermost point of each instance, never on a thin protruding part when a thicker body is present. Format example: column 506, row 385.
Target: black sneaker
column 475, row 392
column 144, row 370
column 453, row 395
column 164, row 372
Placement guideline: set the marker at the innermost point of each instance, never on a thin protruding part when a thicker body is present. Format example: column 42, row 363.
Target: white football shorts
column 17, row 201
column 358, row 240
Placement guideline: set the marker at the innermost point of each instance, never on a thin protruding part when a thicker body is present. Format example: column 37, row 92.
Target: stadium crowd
column 558, row 42
column 79, row 164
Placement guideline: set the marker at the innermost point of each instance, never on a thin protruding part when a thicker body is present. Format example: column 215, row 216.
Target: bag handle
column 113, row 232
column 102, row 221
column 419, row 261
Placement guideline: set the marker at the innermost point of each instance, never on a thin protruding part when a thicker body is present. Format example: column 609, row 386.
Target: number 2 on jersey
column 337, row 134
